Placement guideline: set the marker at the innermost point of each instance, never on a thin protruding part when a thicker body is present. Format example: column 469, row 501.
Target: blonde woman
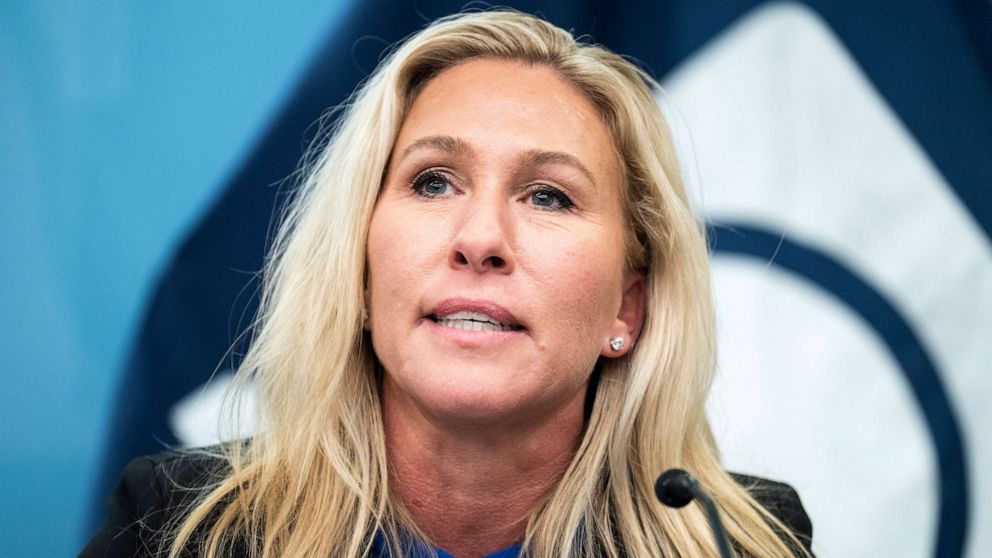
column 486, row 328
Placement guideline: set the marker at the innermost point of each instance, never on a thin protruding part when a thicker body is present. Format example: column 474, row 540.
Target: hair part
column 321, row 444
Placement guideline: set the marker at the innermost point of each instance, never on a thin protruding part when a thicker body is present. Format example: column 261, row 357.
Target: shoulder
column 150, row 494
column 168, row 481
column 176, row 472
column 782, row 501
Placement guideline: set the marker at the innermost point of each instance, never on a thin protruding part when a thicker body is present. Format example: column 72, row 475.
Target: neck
column 471, row 489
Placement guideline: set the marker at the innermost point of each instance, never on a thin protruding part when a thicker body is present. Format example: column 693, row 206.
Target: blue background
column 120, row 120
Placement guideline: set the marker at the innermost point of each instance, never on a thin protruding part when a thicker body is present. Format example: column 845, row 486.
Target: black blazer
column 153, row 489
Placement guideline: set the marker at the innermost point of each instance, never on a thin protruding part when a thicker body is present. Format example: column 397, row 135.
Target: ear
column 630, row 317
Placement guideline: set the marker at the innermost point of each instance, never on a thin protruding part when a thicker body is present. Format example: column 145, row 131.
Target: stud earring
column 616, row 343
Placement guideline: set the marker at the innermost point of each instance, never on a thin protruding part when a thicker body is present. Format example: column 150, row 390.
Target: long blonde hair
column 314, row 481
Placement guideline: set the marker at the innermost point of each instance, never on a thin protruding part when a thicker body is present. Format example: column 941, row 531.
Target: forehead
column 505, row 105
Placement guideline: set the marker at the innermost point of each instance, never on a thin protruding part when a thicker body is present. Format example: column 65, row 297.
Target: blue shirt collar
column 381, row 550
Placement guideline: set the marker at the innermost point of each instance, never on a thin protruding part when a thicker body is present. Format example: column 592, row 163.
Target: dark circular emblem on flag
column 904, row 345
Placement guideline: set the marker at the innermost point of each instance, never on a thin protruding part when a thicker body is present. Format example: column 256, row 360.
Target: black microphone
column 676, row 488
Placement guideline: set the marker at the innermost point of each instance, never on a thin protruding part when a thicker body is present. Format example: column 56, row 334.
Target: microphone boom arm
column 676, row 488
column 719, row 533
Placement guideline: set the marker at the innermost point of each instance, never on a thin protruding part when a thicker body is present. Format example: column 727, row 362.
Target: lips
column 474, row 315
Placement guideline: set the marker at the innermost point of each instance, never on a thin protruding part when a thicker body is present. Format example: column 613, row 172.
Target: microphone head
column 675, row 488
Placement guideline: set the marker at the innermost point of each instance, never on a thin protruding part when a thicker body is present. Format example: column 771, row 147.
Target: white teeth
column 472, row 325
column 465, row 315
column 472, row 321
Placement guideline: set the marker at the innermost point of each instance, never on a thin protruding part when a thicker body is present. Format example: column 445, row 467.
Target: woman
column 486, row 326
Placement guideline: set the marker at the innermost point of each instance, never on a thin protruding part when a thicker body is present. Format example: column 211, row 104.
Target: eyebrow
column 539, row 157
column 532, row 157
column 443, row 143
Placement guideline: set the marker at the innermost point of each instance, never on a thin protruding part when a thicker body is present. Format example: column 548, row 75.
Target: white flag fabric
column 784, row 137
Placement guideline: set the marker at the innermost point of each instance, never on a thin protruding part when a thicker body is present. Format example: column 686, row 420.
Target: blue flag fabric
column 930, row 63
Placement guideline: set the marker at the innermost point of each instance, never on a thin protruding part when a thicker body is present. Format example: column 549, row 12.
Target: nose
column 482, row 241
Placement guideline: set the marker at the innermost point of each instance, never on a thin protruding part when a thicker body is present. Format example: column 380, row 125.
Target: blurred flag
column 842, row 151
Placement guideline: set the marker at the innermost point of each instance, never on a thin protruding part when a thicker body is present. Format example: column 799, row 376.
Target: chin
column 480, row 402
column 501, row 389
column 477, row 400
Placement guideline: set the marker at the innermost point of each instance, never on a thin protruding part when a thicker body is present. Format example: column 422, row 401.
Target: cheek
column 583, row 286
column 385, row 252
column 401, row 253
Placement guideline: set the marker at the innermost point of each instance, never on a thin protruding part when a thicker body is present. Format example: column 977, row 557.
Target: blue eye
column 431, row 184
column 550, row 198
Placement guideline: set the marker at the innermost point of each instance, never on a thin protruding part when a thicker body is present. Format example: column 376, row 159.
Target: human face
column 501, row 203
